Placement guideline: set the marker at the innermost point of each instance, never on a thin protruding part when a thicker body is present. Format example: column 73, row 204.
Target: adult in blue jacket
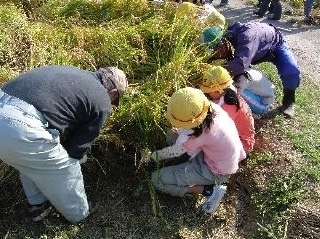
column 49, row 117
column 244, row 44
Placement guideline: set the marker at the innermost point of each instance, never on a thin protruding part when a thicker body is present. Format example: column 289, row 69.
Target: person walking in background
column 256, row 89
column 308, row 4
column 49, row 117
column 214, row 136
column 253, row 43
column 217, row 86
column 273, row 6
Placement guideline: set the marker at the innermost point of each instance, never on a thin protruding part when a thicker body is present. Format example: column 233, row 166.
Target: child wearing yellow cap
column 205, row 14
column 214, row 138
column 217, row 85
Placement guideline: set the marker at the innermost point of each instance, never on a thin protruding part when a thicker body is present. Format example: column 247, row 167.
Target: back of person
column 64, row 95
column 259, row 37
column 221, row 146
column 243, row 120
column 217, row 85
column 257, row 83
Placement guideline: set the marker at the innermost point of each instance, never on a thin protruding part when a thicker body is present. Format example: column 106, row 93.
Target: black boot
column 288, row 102
column 276, row 11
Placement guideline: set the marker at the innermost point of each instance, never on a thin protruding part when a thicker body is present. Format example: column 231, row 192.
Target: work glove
column 84, row 159
column 168, row 152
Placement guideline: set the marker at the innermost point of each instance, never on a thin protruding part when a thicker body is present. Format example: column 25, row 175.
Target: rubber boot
column 263, row 8
column 276, row 10
column 288, row 103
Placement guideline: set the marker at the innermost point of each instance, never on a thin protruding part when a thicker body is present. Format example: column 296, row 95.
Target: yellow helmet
column 216, row 78
column 187, row 108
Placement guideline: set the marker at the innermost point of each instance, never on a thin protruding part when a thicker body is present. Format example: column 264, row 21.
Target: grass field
column 275, row 193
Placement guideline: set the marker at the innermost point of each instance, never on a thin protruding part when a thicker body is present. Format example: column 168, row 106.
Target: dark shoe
column 39, row 211
column 287, row 108
column 223, row 3
column 258, row 14
column 308, row 20
column 271, row 16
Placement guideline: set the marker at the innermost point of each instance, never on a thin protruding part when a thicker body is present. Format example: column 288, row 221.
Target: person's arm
column 245, row 49
column 168, row 152
column 80, row 139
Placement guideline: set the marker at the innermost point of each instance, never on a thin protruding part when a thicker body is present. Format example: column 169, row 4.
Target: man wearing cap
column 49, row 117
column 252, row 43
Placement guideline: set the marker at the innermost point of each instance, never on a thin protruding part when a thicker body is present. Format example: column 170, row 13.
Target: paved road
column 303, row 40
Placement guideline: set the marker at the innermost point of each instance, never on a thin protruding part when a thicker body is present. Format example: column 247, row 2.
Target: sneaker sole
column 214, row 209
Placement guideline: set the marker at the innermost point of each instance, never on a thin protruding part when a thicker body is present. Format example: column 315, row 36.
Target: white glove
column 84, row 159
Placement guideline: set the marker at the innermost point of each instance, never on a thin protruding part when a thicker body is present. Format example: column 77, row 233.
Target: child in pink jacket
column 215, row 140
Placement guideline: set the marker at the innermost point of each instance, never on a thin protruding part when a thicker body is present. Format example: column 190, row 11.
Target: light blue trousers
column 46, row 170
column 176, row 179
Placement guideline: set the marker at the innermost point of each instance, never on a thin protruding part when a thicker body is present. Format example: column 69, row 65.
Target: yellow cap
column 186, row 9
column 216, row 78
column 187, row 108
column 216, row 19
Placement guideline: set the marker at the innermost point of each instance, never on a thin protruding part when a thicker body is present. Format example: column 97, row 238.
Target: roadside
column 304, row 40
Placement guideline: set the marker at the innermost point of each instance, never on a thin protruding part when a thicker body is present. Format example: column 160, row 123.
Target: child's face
column 215, row 95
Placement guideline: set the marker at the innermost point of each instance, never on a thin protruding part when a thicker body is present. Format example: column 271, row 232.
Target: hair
column 226, row 53
column 231, row 98
column 205, row 125
column 230, row 48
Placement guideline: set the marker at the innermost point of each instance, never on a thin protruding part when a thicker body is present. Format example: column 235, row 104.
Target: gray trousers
column 176, row 179
column 46, row 170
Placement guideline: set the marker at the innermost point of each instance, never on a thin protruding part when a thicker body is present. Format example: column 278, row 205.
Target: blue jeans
column 287, row 67
column 46, row 170
column 308, row 7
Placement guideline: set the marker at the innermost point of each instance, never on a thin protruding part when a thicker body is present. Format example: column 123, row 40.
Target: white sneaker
column 212, row 202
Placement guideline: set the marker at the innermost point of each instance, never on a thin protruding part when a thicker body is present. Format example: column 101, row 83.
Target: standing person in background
column 214, row 135
column 253, row 43
column 217, row 86
column 256, row 89
column 273, row 6
column 49, row 117
column 308, row 4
